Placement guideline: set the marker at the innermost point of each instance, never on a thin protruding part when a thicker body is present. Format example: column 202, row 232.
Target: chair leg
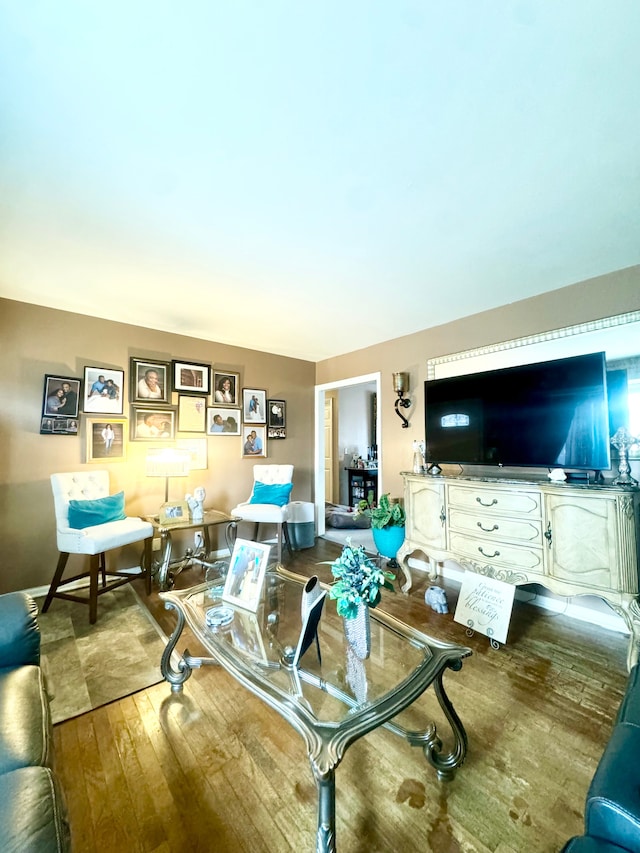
column 62, row 562
column 280, row 542
column 103, row 568
column 287, row 538
column 96, row 565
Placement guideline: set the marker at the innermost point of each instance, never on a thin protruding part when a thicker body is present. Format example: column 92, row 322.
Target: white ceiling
column 311, row 178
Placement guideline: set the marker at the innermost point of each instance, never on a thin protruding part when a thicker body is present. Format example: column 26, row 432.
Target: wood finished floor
column 214, row 769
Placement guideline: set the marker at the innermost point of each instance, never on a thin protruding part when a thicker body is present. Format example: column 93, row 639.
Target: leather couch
column 32, row 813
column 612, row 809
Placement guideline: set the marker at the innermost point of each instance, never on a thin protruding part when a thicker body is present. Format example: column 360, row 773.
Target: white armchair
column 86, row 495
column 264, row 477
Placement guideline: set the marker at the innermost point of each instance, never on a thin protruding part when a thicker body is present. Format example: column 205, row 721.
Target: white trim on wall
column 319, row 438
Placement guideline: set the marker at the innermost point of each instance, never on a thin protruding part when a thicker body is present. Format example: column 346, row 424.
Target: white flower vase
column 358, row 632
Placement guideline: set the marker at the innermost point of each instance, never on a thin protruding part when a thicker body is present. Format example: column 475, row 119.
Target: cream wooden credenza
column 573, row 539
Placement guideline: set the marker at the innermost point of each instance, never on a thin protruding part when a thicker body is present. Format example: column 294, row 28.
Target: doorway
column 321, row 453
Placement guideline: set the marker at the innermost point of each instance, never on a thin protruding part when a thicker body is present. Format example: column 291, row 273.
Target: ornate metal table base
column 327, row 746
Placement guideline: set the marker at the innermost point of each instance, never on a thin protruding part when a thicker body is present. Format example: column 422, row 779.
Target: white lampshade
column 168, row 462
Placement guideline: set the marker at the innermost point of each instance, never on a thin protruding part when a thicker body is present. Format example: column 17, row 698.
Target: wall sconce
column 401, row 387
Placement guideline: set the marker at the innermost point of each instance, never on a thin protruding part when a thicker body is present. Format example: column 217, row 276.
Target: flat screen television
column 552, row 414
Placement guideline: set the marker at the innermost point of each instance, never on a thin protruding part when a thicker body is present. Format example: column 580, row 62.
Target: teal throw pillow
column 100, row 511
column 278, row 493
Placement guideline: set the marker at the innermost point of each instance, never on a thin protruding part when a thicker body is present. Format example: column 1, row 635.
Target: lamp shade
column 168, row 462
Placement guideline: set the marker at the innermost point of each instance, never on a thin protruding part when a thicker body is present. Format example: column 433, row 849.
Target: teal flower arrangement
column 358, row 581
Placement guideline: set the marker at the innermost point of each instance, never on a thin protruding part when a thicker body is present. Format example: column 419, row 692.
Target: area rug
column 87, row 666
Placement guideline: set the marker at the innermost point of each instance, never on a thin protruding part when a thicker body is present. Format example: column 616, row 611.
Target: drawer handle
column 482, row 503
column 488, row 529
column 490, row 556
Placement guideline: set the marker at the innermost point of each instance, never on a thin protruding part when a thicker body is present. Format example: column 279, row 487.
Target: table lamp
column 168, row 462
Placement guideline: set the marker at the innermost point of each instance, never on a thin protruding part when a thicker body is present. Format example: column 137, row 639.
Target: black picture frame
column 60, row 402
column 191, row 377
column 156, row 393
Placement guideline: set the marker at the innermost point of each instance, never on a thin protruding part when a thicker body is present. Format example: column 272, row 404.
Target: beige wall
column 36, row 341
column 40, row 340
column 605, row 296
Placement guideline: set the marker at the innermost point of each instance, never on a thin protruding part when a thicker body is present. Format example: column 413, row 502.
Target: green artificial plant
column 358, row 580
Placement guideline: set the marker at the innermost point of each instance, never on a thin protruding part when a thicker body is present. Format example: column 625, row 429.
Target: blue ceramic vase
column 388, row 540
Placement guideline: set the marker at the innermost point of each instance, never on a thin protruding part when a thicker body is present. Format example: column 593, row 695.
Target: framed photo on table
column 106, row 440
column 225, row 388
column 254, row 406
column 149, row 381
column 191, row 377
column 174, row 513
column 245, row 577
column 192, row 413
column 103, row 391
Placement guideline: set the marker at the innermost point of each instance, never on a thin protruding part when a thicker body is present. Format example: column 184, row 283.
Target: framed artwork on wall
column 103, row 391
column 149, row 381
column 192, row 413
column 191, row 377
column 253, row 441
column 276, row 419
column 197, row 450
column 60, row 402
column 222, row 421
column 151, row 424
column 225, row 388
column 106, row 439
column 254, row 405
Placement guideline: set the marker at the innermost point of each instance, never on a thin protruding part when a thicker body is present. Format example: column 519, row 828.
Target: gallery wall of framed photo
column 166, row 398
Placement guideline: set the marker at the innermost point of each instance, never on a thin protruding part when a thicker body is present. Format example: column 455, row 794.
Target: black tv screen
column 549, row 415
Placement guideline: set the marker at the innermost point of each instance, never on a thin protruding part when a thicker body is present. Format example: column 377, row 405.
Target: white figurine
column 196, row 503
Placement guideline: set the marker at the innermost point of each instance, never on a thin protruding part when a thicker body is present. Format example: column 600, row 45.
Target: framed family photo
column 253, row 441
column 221, row 421
column 151, row 424
column 191, row 377
column 245, row 577
column 106, row 440
column 61, row 399
column 254, row 405
column 149, row 381
column 103, row 391
column 192, row 413
column 225, row 388
column 276, row 419
column 173, row 513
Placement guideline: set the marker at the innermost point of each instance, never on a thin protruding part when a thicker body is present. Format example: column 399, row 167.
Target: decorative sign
column 485, row 605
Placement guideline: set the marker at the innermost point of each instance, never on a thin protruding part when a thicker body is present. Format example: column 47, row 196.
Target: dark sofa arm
column 19, row 631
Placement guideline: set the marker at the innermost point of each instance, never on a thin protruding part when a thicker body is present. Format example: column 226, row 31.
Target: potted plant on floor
column 387, row 526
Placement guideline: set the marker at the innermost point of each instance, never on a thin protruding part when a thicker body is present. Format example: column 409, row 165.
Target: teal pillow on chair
column 277, row 493
column 100, row 511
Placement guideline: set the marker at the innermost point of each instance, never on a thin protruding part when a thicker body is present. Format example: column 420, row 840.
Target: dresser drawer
column 485, row 552
column 481, row 525
column 490, row 501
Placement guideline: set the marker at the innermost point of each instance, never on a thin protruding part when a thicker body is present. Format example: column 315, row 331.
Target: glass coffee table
column 331, row 701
